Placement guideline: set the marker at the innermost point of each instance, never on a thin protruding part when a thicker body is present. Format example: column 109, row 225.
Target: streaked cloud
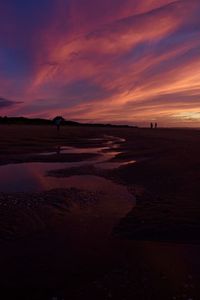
column 117, row 61
column 5, row 103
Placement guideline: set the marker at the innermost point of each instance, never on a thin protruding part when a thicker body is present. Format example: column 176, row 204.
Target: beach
column 99, row 212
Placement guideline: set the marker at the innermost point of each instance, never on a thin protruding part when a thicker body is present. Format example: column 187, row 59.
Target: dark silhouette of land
column 39, row 121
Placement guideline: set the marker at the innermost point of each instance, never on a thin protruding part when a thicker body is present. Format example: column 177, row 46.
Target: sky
column 117, row 61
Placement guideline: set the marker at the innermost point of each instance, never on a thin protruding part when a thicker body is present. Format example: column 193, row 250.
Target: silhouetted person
column 151, row 125
column 156, row 125
column 58, row 121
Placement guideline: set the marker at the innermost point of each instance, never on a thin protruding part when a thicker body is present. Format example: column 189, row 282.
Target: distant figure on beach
column 58, row 121
column 156, row 125
column 151, row 125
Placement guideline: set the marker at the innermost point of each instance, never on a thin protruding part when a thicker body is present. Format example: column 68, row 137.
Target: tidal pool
column 31, row 176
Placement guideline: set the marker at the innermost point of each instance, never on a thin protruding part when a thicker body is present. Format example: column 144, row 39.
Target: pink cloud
column 127, row 54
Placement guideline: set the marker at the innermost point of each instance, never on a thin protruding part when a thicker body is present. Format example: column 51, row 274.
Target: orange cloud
column 116, row 61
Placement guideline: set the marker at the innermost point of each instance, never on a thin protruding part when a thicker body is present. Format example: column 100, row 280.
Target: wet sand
column 148, row 251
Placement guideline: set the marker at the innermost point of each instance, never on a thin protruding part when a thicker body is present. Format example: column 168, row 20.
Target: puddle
column 31, row 177
column 94, row 220
column 98, row 219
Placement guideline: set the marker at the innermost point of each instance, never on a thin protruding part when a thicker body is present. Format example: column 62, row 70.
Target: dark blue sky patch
column 14, row 62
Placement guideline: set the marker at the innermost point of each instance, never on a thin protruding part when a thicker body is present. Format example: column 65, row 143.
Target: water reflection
column 30, row 177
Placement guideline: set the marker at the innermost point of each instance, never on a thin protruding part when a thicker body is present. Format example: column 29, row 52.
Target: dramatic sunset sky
column 119, row 61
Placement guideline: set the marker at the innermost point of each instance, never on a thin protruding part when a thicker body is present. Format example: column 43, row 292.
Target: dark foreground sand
column 148, row 241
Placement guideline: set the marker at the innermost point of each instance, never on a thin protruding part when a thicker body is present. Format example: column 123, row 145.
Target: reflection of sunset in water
column 33, row 176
